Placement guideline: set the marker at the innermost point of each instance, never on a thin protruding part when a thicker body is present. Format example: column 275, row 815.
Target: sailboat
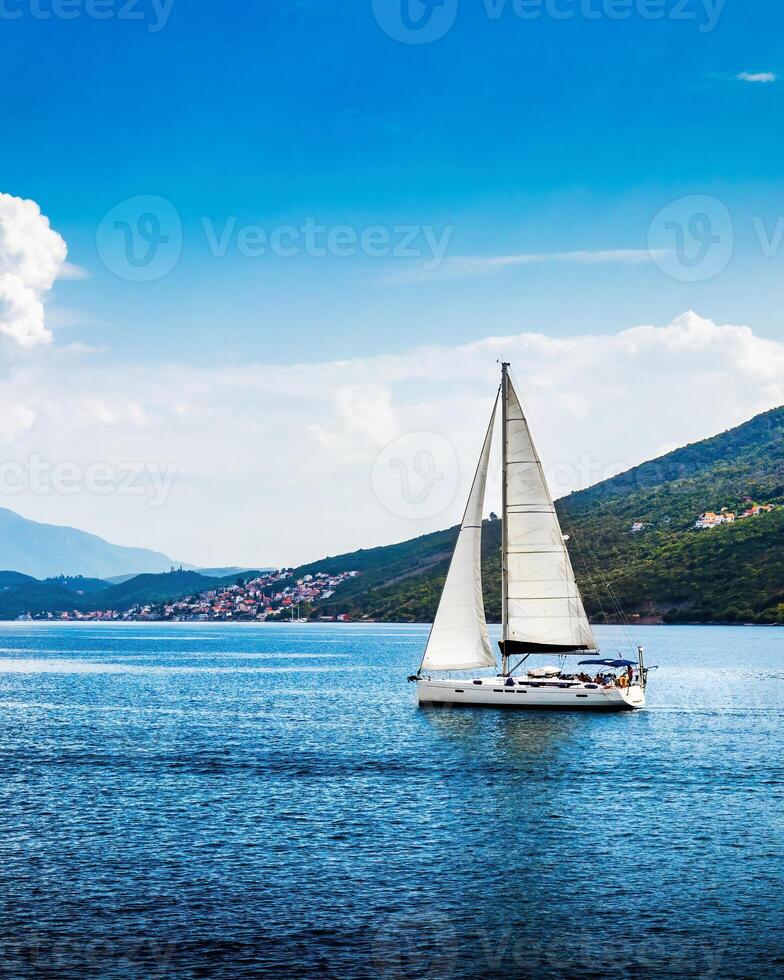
column 542, row 609
column 298, row 619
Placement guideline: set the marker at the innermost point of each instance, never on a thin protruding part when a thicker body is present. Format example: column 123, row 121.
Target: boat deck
column 528, row 692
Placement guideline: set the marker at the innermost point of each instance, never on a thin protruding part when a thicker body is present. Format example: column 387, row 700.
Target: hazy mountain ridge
column 48, row 550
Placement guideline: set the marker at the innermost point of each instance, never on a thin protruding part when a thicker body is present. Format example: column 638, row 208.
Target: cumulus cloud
column 32, row 256
column 279, row 463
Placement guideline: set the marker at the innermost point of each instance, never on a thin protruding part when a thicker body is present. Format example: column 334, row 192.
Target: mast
column 504, row 521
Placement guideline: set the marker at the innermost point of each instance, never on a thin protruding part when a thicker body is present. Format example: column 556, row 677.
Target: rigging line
column 595, row 589
column 624, row 620
column 615, row 603
column 617, row 609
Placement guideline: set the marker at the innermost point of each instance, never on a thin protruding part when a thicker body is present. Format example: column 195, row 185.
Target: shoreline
column 332, row 623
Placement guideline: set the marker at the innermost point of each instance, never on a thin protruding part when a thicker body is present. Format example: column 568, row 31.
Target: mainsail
column 458, row 639
column 543, row 611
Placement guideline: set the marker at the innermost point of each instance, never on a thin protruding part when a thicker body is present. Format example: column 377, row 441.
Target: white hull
column 527, row 693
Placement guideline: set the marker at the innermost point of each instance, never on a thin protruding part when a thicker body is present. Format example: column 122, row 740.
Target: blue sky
column 553, row 160
column 524, row 136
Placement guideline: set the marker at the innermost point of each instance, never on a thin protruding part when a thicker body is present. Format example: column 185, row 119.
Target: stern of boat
column 633, row 696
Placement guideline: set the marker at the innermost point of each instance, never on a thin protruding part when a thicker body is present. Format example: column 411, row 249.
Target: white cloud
column 759, row 77
column 14, row 420
column 275, row 463
column 477, row 265
column 70, row 270
column 32, row 256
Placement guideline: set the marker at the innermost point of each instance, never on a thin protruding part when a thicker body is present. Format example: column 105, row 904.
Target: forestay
column 458, row 639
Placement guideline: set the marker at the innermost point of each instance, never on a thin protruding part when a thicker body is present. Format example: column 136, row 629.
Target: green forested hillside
column 727, row 574
column 669, row 571
column 79, row 584
column 21, row 594
column 34, row 597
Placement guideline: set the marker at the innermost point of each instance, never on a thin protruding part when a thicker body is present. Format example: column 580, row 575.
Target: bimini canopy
column 608, row 663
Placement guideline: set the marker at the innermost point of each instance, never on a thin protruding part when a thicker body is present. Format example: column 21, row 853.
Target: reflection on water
column 482, row 733
column 244, row 801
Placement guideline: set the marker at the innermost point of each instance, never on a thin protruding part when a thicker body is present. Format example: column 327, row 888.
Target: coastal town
column 712, row 519
column 272, row 596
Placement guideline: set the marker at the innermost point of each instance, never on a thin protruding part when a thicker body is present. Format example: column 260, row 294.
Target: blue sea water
column 238, row 801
